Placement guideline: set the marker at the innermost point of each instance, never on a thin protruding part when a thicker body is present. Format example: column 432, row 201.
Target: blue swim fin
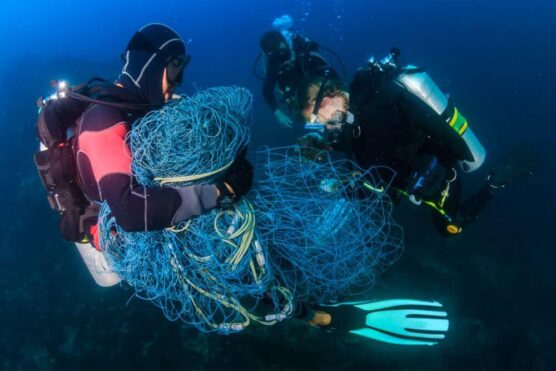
column 394, row 321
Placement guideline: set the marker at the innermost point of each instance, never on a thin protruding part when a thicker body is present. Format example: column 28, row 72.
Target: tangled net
column 195, row 136
column 318, row 230
column 211, row 274
column 211, row 271
column 327, row 223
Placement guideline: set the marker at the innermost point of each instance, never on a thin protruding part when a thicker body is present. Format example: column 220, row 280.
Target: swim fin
column 394, row 321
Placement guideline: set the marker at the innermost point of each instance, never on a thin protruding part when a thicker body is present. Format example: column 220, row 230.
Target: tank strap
column 88, row 219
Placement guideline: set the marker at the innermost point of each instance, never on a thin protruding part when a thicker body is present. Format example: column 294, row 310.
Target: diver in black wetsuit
column 292, row 62
column 397, row 117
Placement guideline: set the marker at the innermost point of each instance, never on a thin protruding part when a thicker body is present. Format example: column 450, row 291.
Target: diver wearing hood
column 290, row 61
column 154, row 52
column 154, row 63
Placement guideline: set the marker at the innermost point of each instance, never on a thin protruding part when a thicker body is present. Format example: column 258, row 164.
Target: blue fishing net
column 212, row 274
column 192, row 136
column 310, row 230
column 210, row 271
column 327, row 223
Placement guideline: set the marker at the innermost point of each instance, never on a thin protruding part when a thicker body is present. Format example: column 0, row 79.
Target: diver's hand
column 313, row 140
column 283, row 119
column 312, row 146
column 237, row 181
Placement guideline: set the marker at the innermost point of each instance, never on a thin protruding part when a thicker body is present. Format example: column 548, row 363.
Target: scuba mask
column 336, row 127
column 175, row 68
column 281, row 54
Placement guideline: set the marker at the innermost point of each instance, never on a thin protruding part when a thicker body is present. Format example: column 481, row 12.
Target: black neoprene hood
column 148, row 53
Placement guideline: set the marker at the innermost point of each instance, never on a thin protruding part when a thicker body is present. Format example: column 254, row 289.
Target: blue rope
column 310, row 233
column 328, row 237
column 195, row 273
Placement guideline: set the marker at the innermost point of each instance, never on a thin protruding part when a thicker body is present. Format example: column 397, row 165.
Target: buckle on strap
column 91, row 212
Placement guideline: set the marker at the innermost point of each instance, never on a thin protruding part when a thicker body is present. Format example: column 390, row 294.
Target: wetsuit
column 93, row 121
column 401, row 131
column 104, row 165
column 103, row 157
column 305, row 63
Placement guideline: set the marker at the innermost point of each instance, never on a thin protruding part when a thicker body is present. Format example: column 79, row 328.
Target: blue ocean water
column 496, row 59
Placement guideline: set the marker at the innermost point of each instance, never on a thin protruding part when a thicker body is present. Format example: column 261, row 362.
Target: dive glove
column 283, row 119
column 236, row 182
column 313, row 146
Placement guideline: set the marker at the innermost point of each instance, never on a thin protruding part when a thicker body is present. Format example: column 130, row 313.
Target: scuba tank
column 57, row 168
column 418, row 82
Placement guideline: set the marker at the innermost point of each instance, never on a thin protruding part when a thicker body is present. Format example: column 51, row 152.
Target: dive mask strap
column 320, row 97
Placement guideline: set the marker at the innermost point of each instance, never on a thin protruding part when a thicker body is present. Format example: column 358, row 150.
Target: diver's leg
column 394, row 321
column 303, row 311
column 472, row 207
column 521, row 161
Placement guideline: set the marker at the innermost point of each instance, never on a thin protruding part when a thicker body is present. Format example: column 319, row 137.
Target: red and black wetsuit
column 104, row 165
column 104, row 158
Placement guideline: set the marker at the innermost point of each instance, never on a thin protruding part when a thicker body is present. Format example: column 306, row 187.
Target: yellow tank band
column 458, row 122
column 463, row 128
column 454, row 118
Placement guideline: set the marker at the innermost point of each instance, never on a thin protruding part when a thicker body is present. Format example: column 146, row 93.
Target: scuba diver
column 396, row 118
column 93, row 165
column 290, row 60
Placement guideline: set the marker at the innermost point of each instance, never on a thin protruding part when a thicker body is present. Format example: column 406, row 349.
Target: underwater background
column 496, row 59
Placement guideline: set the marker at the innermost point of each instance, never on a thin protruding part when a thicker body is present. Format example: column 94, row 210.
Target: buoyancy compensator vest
column 434, row 111
column 425, row 152
column 55, row 162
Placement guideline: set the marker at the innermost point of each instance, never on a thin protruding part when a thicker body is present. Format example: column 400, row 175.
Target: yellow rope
column 191, row 178
column 179, row 230
column 246, row 232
